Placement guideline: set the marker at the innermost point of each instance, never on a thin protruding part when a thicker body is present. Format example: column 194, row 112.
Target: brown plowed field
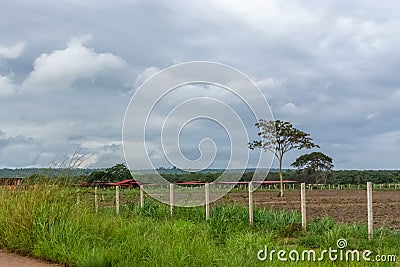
column 343, row 205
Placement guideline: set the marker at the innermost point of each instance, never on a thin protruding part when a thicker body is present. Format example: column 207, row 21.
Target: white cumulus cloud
column 61, row 68
column 7, row 87
column 144, row 75
column 12, row 52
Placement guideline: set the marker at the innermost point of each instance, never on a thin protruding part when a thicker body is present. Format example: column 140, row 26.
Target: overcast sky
column 68, row 70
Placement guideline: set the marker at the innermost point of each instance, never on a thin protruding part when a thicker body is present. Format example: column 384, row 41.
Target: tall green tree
column 119, row 172
column 280, row 137
column 315, row 164
column 116, row 173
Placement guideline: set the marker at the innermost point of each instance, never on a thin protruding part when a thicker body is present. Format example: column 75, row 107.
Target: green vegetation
column 279, row 137
column 333, row 177
column 116, row 173
column 48, row 172
column 46, row 221
column 314, row 167
column 67, row 176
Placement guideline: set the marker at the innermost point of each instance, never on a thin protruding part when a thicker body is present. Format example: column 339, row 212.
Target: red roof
column 126, row 182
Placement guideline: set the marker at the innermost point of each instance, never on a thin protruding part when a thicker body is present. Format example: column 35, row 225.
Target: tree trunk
column 280, row 176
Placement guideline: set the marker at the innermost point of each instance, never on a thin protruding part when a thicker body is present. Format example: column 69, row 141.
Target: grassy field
column 48, row 223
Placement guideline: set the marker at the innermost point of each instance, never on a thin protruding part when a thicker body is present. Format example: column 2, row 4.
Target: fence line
column 370, row 212
column 250, row 186
column 303, row 206
column 78, row 197
column 369, row 188
column 207, row 195
column 392, row 186
column 171, row 198
column 141, row 196
column 117, row 199
column 96, row 201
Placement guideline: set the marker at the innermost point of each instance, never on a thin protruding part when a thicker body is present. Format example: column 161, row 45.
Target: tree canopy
column 313, row 167
column 116, row 173
column 280, row 137
column 316, row 161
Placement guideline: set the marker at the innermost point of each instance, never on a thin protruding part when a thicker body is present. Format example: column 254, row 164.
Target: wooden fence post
column 96, row 202
column 370, row 212
column 171, row 198
column 207, row 192
column 117, row 199
column 78, row 199
column 141, row 196
column 251, row 202
column 303, row 206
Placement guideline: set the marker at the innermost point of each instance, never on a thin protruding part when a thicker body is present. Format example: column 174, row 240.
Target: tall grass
column 46, row 222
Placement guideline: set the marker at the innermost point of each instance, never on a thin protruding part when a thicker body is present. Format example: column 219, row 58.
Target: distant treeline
column 347, row 176
column 334, row 177
column 83, row 175
column 48, row 172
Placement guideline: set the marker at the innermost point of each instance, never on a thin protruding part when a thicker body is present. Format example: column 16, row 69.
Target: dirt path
column 14, row 260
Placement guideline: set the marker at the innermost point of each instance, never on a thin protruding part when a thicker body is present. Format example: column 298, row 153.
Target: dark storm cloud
column 69, row 68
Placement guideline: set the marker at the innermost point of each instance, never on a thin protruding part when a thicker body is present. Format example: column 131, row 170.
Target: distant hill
column 22, row 173
column 175, row 174
column 180, row 171
column 336, row 177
